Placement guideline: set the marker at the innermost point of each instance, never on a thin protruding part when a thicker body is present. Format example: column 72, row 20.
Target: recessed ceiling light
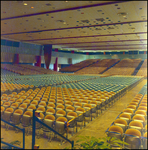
column 25, row 4
column 32, row 7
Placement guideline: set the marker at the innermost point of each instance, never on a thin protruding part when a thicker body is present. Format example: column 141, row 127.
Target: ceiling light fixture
column 25, row 4
column 123, row 14
column 32, row 7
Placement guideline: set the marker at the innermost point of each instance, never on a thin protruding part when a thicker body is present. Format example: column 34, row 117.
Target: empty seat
column 122, row 123
column 14, row 106
column 19, row 101
column 50, row 111
column 115, row 131
column 69, row 109
column 60, row 102
column 26, row 120
column 141, row 112
column 34, row 103
column 51, row 101
column 51, row 105
column 41, row 109
column 31, row 108
column 132, row 107
column 44, row 99
column 139, row 118
column 80, row 114
column 6, row 104
column 27, row 102
column 60, row 107
column 12, row 100
column 71, row 116
column 42, row 104
column 48, row 120
column 68, row 104
column 77, row 105
column 16, row 117
column 126, row 117
column 134, row 140
column 60, row 125
column 128, row 111
column 136, row 125
column 23, row 107
column 60, row 113
column 142, row 108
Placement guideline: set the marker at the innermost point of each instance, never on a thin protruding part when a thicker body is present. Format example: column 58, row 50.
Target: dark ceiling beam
column 103, row 45
column 117, row 23
column 116, row 48
column 66, row 9
column 87, row 36
column 100, row 42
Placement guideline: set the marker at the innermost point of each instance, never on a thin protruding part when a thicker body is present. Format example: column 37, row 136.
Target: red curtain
column 38, row 61
column 47, row 55
column 56, row 64
column 16, row 59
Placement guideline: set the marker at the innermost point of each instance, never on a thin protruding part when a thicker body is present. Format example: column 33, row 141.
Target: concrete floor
column 95, row 128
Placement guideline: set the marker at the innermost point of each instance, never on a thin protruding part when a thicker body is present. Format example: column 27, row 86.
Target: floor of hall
column 95, row 128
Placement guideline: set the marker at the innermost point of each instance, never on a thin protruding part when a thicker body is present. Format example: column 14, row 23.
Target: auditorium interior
column 72, row 70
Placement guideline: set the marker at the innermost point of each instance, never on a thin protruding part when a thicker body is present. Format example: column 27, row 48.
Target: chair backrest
column 87, row 105
column 50, row 117
column 133, row 103
column 128, row 111
column 19, row 100
column 136, row 123
column 41, row 109
column 29, row 113
column 2, row 109
column 34, row 102
column 140, row 112
column 61, row 119
column 7, row 103
column 131, row 107
column 78, row 104
column 134, row 132
column 50, row 110
column 23, row 106
column 139, row 117
column 70, row 108
column 51, row 105
column 44, row 99
column 52, row 100
column 9, row 110
column 60, row 102
column 72, row 114
column 61, row 112
column 42, row 103
column 60, row 106
column 14, row 104
column 69, row 103
column 125, row 116
column 121, row 121
column 26, row 101
column 31, row 107
column 116, row 129
column 19, row 111
column 142, row 108
column 80, row 109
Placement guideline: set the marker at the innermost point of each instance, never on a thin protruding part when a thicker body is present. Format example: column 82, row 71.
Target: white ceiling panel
column 69, row 24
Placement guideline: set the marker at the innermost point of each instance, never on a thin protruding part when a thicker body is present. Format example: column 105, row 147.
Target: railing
column 33, row 131
column 10, row 145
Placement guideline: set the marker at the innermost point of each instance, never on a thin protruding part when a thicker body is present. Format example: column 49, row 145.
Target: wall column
column 47, row 55
column 16, row 59
column 38, row 61
column 56, row 64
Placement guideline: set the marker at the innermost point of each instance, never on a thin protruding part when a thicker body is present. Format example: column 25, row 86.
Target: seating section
column 143, row 70
column 8, row 73
column 124, row 67
column 27, row 69
column 98, row 67
column 131, row 124
column 79, row 65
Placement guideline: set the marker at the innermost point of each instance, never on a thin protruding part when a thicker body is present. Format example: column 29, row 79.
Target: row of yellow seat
column 131, row 122
column 58, row 102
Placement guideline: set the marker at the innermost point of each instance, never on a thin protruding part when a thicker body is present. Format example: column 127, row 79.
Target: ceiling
column 77, row 25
